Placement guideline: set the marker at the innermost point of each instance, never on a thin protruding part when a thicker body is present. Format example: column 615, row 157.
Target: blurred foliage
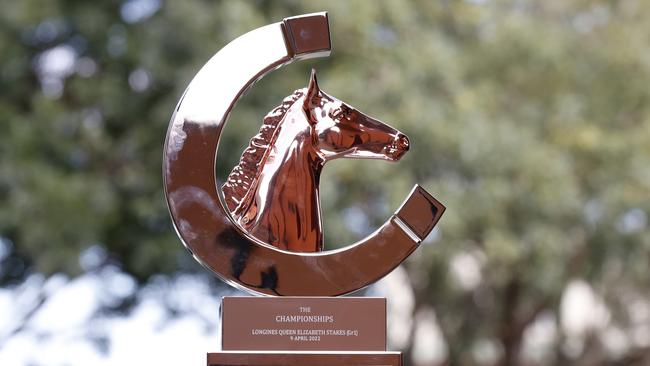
column 529, row 120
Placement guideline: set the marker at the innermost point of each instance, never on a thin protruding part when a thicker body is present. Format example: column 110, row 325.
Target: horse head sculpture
column 273, row 192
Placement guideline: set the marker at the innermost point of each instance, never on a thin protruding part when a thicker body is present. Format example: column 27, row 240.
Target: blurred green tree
column 529, row 120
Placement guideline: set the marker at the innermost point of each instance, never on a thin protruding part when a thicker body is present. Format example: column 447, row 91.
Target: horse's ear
column 311, row 99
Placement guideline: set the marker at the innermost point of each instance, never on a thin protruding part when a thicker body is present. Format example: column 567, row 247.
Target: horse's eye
column 336, row 113
column 341, row 112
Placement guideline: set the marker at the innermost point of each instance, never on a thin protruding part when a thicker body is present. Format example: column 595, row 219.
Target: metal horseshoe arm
column 199, row 215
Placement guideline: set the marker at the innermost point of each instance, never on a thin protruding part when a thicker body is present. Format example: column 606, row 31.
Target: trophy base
column 302, row 358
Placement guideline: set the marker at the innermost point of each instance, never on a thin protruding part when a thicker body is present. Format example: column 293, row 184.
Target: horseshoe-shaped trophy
column 260, row 231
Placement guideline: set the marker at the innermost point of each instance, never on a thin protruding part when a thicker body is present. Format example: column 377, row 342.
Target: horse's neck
column 286, row 200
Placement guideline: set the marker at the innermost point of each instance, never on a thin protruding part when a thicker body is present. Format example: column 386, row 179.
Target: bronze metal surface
column 200, row 216
column 303, row 323
column 308, row 35
column 226, row 358
column 273, row 193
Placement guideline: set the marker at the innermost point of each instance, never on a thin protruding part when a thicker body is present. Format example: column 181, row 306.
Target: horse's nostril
column 403, row 142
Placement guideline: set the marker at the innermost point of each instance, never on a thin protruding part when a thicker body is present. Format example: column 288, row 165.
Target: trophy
column 260, row 230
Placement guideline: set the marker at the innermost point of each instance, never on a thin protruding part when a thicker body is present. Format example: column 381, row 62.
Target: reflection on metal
column 202, row 218
column 273, row 191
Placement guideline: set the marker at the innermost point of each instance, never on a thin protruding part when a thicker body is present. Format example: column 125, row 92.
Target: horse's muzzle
column 399, row 147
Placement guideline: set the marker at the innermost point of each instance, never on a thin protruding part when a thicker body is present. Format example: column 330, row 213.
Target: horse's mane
column 244, row 175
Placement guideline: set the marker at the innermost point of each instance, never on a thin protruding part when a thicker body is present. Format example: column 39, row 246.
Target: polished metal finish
column 200, row 215
column 273, row 193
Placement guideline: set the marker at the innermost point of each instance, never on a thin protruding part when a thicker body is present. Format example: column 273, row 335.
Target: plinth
column 303, row 331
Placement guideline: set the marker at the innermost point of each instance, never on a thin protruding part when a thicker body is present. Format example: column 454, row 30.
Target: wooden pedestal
column 303, row 358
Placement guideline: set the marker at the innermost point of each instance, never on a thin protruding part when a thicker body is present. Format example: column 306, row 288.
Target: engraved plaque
column 304, row 323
